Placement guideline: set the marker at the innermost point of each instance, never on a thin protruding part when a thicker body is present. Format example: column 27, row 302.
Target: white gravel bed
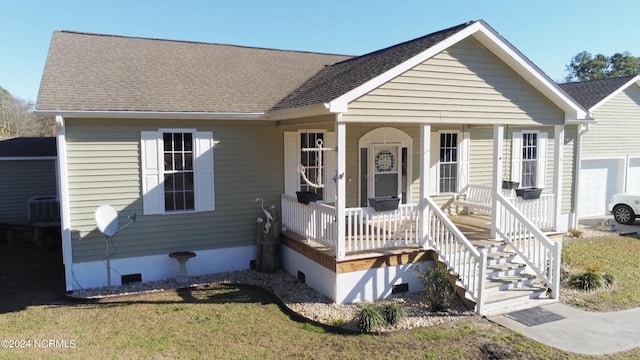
column 297, row 296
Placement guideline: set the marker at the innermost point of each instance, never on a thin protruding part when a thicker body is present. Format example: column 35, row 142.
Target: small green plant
column 393, row 313
column 438, row 290
column 370, row 318
column 586, row 280
column 591, row 278
column 575, row 233
column 338, row 322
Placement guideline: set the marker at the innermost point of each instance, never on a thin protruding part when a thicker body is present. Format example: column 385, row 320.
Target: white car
column 625, row 208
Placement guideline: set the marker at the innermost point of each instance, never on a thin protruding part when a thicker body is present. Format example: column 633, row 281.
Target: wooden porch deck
column 476, row 227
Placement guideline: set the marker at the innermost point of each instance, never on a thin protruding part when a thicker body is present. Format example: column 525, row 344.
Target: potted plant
column 304, row 197
column 384, row 203
column 506, row 184
column 529, row 193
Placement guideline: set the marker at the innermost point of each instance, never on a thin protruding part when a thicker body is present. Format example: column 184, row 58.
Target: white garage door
column 599, row 180
column 633, row 176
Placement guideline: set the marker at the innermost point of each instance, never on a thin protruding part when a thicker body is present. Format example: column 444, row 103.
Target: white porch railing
column 527, row 240
column 316, row 221
column 368, row 229
column 457, row 252
column 541, row 211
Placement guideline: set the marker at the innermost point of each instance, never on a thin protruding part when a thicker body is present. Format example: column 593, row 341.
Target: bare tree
column 17, row 118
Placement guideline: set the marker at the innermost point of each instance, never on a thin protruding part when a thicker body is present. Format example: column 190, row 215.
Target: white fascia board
column 636, row 80
column 340, row 103
column 151, row 115
column 529, row 71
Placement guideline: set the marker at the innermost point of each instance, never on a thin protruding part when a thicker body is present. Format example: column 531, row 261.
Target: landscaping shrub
column 591, row 278
column 586, row 280
column 393, row 313
column 370, row 317
column 438, row 291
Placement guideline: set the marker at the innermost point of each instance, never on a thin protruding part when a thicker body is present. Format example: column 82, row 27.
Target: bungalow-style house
column 27, row 180
column 608, row 151
column 392, row 145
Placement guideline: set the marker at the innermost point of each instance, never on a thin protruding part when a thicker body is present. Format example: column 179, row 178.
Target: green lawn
column 616, row 255
column 238, row 323
column 231, row 322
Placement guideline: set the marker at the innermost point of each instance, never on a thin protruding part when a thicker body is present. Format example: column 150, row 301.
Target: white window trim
column 516, row 156
column 463, row 160
column 152, row 164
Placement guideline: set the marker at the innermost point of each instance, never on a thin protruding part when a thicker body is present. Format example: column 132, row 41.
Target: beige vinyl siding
column 21, row 180
column 104, row 167
column 464, row 84
column 481, row 156
column 616, row 129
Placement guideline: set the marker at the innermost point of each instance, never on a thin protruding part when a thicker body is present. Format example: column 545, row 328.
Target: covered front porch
column 344, row 232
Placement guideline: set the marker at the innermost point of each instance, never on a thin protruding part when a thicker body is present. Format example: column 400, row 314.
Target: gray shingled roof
column 589, row 93
column 338, row 79
column 91, row 72
column 28, row 147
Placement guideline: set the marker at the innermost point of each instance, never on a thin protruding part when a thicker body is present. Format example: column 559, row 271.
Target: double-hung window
column 177, row 171
column 311, row 163
column 448, row 163
column 528, row 158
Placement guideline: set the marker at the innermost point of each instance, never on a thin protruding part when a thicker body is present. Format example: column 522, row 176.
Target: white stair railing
column 542, row 255
column 457, row 252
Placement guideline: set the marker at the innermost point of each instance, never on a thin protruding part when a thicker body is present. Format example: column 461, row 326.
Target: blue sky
column 549, row 32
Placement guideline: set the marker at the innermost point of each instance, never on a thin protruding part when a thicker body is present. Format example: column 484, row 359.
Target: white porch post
column 496, row 184
column 425, row 167
column 558, row 151
column 341, row 191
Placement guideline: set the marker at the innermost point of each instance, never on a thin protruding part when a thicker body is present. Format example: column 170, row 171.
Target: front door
column 385, row 171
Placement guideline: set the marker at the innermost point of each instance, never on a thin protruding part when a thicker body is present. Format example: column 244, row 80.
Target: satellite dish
column 107, row 220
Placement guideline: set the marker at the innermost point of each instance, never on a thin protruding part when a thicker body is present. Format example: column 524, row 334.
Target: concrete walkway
column 582, row 332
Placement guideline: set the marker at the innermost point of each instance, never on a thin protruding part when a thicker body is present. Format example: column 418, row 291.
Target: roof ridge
column 196, row 42
column 603, row 79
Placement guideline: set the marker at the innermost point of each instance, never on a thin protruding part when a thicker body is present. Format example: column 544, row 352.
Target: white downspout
column 582, row 129
column 63, row 194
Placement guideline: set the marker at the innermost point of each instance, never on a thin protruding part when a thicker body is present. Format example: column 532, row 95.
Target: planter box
column 529, row 193
column 305, row 197
column 384, row 203
column 510, row 184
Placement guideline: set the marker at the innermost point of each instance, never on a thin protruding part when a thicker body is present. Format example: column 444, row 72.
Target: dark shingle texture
column 89, row 72
column 589, row 93
column 338, row 79
column 28, row 147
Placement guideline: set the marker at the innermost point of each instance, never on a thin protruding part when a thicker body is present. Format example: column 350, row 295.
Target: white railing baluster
column 450, row 243
column 530, row 243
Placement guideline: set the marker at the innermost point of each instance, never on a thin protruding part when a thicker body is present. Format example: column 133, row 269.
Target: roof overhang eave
column 299, row 112
column 189, row 115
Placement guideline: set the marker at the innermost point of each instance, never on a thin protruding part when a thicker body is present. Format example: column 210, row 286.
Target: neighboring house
column 27, row 170
column 609, row 150
column 188, row 135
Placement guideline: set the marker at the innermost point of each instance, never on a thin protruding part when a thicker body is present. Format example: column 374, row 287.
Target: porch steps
column 507, row 286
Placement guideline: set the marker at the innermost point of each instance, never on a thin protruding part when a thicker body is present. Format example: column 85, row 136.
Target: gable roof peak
column 592, row 93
